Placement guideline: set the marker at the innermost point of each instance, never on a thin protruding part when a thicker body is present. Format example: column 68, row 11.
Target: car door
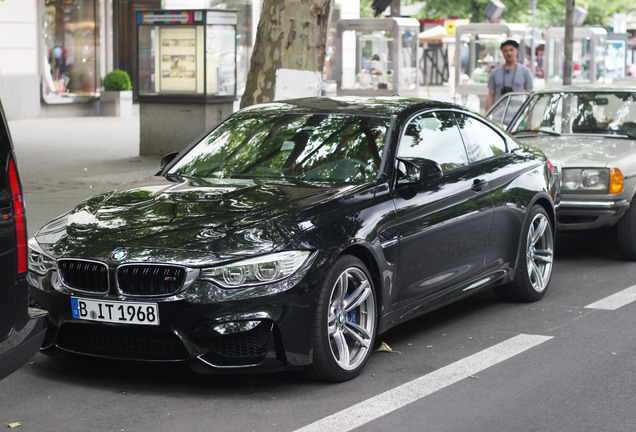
column 443, row 223
column 489, row 157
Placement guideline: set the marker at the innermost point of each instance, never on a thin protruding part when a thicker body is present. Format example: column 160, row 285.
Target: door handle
column 478, row 185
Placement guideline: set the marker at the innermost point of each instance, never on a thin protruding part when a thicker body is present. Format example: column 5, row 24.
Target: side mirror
column 418, row 170
column 167, row 159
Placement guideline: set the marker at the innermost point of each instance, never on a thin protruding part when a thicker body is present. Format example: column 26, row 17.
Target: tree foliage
column 550, row 13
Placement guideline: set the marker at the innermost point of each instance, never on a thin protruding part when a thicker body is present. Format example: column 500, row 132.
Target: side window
column 480, row 139
column 434, row 136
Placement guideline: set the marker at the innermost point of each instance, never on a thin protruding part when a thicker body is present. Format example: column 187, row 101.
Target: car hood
column 587, row 150
column 243, row 217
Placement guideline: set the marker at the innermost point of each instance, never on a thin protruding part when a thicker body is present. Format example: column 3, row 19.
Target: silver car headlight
column 257, row 271
column 594, row 180
column 39, row 262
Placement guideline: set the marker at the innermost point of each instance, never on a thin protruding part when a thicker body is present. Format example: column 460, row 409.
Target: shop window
column 70, row 51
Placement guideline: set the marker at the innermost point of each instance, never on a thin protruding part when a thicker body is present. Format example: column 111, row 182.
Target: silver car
column 591, row 133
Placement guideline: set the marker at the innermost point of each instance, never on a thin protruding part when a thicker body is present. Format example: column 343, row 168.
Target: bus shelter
column 477, row 51
column 376, row 57
column 589, row 47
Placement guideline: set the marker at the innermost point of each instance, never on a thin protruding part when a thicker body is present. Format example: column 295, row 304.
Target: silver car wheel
column 351, row 318
column 539, row 252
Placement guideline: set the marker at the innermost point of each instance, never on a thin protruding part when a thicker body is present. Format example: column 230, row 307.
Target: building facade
column 54, row 53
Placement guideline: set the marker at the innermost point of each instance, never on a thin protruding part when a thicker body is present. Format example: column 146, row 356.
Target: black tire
column 534, row 262
column 346, row 322
column 626, row 233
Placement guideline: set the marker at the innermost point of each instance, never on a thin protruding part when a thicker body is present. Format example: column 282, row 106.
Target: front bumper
column 592, row 214
column 269, row 332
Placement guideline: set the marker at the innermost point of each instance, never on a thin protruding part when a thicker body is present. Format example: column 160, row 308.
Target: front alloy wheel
column 346, row 322
column 534, row 268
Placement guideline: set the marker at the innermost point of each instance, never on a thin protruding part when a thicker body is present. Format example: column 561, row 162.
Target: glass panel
column 581, row 112
column 478, row 57
column 544, row 113
column 221, row 64
column 310, row 148
column 480, row 140
column 506, row 107
column 408, row 66
column 70, row 45
column 146, row 59
column 373, row 69
column 583, row 71
column 243, row 37
column 434, row 136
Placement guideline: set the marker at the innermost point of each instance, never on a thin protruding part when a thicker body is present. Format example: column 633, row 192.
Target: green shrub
column 117, row 80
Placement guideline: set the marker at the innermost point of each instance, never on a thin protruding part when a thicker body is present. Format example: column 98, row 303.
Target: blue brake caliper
column 352, row 316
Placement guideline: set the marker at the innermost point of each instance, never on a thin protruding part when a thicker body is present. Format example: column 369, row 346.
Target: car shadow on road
column 597, row 244
column 152, row 378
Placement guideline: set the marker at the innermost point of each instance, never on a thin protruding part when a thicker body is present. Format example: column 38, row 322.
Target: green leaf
column 384, row 348
column 14, row 425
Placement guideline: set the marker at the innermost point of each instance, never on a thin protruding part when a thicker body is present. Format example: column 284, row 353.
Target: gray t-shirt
column 519, row 78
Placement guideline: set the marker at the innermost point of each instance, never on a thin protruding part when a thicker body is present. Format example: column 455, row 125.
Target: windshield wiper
column 535, row 131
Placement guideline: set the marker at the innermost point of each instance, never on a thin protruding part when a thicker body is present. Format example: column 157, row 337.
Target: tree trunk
column 289, row 50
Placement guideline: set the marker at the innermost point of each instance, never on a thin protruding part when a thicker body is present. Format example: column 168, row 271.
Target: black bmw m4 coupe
column 294, row 233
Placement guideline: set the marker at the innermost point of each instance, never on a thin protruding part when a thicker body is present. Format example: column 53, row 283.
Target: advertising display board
column 186, row 54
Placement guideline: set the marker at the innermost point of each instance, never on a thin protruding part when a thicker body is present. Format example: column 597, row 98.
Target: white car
column 591, row 133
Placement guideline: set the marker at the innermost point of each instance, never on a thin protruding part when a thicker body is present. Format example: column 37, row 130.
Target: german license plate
column 115, row 311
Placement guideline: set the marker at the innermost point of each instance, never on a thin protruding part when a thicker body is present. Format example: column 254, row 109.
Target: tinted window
column 310, row 147
column 480, row 139
column 434, row 136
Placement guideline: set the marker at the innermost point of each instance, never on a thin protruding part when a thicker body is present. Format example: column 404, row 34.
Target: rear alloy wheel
column 536, row 257
column 346, row 322
column 626, row 232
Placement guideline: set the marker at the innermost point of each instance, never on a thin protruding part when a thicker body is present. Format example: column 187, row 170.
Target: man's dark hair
column 512, row 42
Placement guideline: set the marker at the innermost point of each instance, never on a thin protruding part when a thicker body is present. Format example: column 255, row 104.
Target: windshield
column 308, row 147
column 579, row 112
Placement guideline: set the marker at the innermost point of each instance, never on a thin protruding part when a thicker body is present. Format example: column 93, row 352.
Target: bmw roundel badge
column 119, row 254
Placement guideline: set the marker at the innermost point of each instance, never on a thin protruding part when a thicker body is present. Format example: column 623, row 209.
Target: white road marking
column 394, row 399
column 615, row 301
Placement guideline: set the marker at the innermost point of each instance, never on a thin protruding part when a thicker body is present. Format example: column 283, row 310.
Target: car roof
column 361, row 106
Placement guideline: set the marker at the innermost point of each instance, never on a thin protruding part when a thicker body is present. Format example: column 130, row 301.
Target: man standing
column 511, row 76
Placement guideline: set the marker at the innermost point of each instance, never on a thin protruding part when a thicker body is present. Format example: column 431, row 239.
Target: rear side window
column 481, row 141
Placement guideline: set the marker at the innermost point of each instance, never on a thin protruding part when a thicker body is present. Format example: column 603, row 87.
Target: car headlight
column 40, row 262
column 593, row 180
column 257, row 271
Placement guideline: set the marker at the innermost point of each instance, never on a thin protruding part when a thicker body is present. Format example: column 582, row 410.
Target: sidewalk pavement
column 65, row 160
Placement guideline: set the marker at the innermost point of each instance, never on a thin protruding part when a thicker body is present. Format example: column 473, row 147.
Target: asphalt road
column 478, row 365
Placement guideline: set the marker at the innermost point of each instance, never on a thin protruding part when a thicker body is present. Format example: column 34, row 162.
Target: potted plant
column 116, row 99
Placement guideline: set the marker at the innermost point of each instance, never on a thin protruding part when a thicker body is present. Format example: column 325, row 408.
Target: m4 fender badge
column 119, row 254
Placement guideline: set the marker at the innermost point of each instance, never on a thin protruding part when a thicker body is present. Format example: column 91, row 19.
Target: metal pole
column 569, row 40
column 533, row 43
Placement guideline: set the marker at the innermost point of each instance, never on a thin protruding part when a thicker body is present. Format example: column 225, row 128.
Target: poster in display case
column 178, row 59
column 187, row 54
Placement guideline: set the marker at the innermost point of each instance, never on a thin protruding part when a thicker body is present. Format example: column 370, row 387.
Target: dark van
column 22, row 328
